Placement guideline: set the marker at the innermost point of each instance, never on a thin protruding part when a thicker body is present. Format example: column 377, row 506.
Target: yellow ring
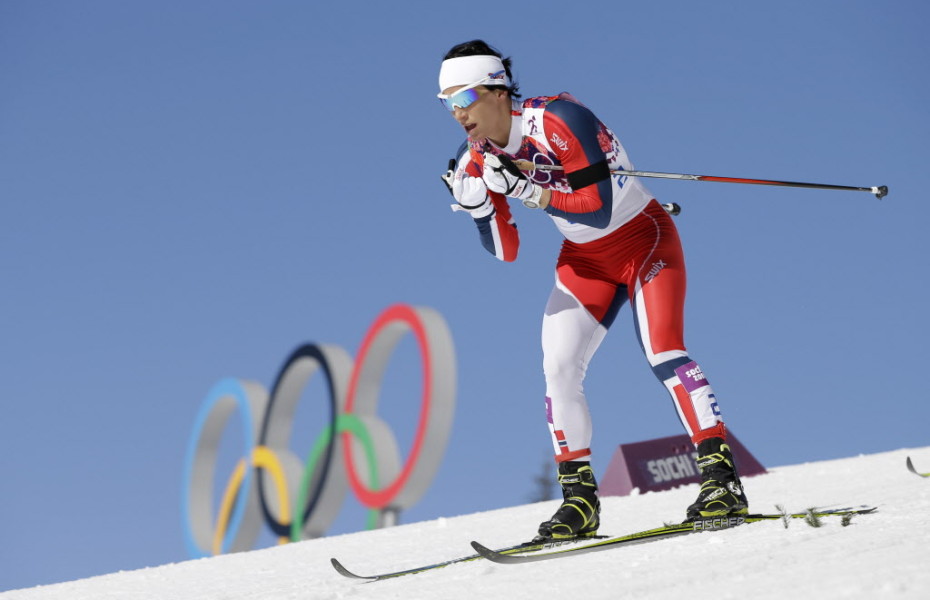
column 262, row 458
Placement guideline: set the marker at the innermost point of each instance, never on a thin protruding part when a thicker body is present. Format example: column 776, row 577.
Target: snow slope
column 884, row 555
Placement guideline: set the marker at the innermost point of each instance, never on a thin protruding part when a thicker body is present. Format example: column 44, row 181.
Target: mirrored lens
column 460, row 99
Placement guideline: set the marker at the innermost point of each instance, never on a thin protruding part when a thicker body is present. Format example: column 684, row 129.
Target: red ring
column 382, row 498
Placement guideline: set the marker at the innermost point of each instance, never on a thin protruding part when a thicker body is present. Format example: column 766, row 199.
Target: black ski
column 525, row 547
column 910, row 467
column 812, row 516
column 528, row 550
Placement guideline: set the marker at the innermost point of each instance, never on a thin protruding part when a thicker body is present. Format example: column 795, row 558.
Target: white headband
column 466, row 70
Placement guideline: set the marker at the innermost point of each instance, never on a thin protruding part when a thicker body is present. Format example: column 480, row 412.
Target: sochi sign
column 299, row 498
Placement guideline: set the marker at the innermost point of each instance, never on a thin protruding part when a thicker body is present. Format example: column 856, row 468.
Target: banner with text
column 665, row 463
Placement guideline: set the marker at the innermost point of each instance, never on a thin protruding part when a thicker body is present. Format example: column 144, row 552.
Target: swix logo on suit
column 656, row 267
column 559, row 142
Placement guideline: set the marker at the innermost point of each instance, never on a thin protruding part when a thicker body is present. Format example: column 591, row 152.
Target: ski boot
column 721, row 491
column 578, row 516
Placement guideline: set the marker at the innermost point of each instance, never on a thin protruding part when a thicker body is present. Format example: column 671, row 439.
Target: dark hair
column 481, row 48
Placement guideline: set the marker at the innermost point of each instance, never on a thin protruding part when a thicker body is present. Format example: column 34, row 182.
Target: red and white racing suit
column 620, row 245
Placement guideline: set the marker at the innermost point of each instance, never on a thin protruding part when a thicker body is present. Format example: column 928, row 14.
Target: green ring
column 344, row 423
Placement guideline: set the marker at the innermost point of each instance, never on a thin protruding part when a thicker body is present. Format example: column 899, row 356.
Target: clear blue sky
column 189, row 190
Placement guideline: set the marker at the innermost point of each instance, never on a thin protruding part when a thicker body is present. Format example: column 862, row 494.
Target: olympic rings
column 298, row 501
column 541, row 176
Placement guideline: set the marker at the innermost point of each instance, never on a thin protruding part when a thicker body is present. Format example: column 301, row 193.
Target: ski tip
column 912, row 469
column 494, row 556
column 345, row 572
column 481, row 549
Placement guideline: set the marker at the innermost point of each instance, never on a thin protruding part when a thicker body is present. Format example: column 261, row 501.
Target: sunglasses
column 462, row 98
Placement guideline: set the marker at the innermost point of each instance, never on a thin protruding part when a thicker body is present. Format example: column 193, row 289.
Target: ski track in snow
column 883, row 555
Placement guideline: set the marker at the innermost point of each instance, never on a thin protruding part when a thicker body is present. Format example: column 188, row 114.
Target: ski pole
column 880, row 191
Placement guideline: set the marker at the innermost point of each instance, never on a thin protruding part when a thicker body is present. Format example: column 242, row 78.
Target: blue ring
column 222, row 389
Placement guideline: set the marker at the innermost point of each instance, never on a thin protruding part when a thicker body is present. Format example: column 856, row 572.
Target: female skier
column 620, row 245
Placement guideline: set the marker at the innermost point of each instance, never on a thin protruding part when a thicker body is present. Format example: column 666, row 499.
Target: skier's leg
column 658, row 301
column 570, row 336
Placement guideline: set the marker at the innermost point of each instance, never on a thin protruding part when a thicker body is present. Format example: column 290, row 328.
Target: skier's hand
column 502, row 176
column 470, row 193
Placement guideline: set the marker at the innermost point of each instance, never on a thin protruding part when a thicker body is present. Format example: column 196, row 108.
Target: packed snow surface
column 882, row 555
